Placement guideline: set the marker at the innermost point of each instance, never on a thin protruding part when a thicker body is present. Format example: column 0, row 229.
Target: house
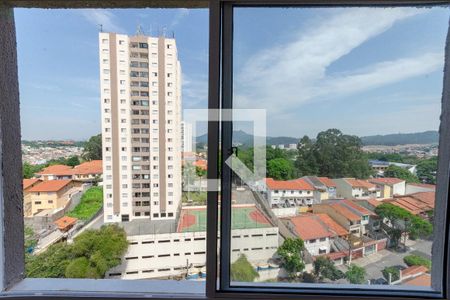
column 316, row 230
column 52, row 194
column 289, row 193
column 324, row 188
column 389, row 186
column 355, row 188
column 379, row 166
column 353, row 217
column 65, row 223
column 419, row 204
column 412, row 188
column 27, row 185
column 87, row 171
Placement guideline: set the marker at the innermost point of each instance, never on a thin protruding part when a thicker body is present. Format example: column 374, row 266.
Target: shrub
column 416, row 260
column 242, row 270
column 394, row 271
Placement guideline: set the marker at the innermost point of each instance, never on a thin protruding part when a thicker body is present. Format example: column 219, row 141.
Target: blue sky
column 365, row 71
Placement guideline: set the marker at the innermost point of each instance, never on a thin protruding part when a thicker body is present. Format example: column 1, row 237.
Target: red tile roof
column 415, row 203
column 345, row 212
column 50, row 185
column 309, row 227
column 360, row 183
column 386, row 180
column 327, row 181
column 374, row 202
column 29, row 182
column 65, row 222
column 332, row 225
column 424, row 185
column 201, row 163
column 88, row 167
column 421, row 280
column 296, row 184
column 426, row 197
column 56, row 170
column 357, row 207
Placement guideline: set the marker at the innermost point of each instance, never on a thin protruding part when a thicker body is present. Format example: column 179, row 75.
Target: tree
column 242, row 270
column 93, row 148
column 355, row 274
column 29, row 170
column 392, row 272
column 291, row 255
column 332, row 154
column 427, row 169
column 325, row 268
column 280, row 169
column 90, row 255
column 73, row 161
column 402, row 223
column 398, row 172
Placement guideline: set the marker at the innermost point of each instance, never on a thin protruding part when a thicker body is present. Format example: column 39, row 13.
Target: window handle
column 233, row 150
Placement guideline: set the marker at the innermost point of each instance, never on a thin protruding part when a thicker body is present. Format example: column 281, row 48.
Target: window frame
column 12, row 283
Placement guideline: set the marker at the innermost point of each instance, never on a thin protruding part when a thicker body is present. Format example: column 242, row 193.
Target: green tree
column 398, row 172
column 242, row 270
column 427, row 169
column 73, row 161
column 332, row 154
column 355, row 274
column 93, row 148
column 30, row 170
column 394, row 273
column 280, row 169
column 90, row 255
column 325, row 268
column 291, row 255
column 401, row 223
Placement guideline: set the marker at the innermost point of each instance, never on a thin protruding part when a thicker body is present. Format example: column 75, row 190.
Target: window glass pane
column 352, row 101
column 125, row 216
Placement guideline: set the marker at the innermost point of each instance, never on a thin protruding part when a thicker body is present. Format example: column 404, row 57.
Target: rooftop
column 386, row 181
column 56, row 170
column 421, row 280
column 50, row 185
column 65, row 222
column 332, row 225
column 327, row 181
column 29, row 182
column 310, row 227
column 416, row 203
column 359, row 183
column 296, row 184
column 89, row 167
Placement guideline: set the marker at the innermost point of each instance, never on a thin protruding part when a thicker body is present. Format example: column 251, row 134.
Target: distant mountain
column 243, row 138
column 426, row 137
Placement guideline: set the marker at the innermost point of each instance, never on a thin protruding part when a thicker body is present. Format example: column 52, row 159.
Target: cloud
column 296, row 72
column 181, row 13
column 103, row 17
column 195, row 91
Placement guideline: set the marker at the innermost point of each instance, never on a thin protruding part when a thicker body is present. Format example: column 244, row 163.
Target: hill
column 426, row 137
column 243, row 138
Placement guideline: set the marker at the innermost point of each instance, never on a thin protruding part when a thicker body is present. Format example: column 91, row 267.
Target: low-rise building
column 355, row 188
column 52, row 194
column 388, row 187
column 324, row 188
column 351, row 216
column 87, row 171
column 412, row 188
column 27, row 185
column 289, row 193
column 316, row 230
column 419, row 204
column 167, row 249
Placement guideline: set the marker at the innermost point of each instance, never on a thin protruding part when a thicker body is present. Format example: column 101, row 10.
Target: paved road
column 375, row 263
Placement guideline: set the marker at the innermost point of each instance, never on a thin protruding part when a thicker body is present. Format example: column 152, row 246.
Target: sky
column 363, row 70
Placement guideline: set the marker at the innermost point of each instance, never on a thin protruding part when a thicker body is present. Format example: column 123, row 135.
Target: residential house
column 55, row 172
column 419, row 204
column 355, row 188
column 87, row 171
column 316, row 230
column 324, row 188
column 289, row 193
column 348, row 214
column 52, row 194
column 389, row 186
column 27, row 185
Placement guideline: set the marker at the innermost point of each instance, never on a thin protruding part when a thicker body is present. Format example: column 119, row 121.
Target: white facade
column 289, row 198
column 318, row 246
column 186, row 136
column 140, row 80
column 178, row 254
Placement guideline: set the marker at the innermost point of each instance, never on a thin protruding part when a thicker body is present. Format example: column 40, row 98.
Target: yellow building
column 52, row 194
column 27, row 185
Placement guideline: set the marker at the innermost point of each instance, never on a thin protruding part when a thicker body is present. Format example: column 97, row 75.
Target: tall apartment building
column 140, row 78
column 186, row 136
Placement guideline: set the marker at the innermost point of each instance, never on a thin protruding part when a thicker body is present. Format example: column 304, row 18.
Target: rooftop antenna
column 100, row 27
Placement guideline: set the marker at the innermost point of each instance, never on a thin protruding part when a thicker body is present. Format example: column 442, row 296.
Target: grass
column 416, row 260
column 196, row 197
column 90, row 203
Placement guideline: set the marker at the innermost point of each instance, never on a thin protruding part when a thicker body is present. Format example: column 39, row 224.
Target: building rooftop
column 327, row 181
column 386, row 181
column 29, row 182
column 296, row 184
column 310, row 227
column 421, row 280
column 65, row 222
column 56, row 170
column 50, row 185
column 345, row 212
column 147, row 226
column 89, row 167
column 245, row 216
column 416, row 203
column 359, row 183
column 424, row 185
column 332, row 225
